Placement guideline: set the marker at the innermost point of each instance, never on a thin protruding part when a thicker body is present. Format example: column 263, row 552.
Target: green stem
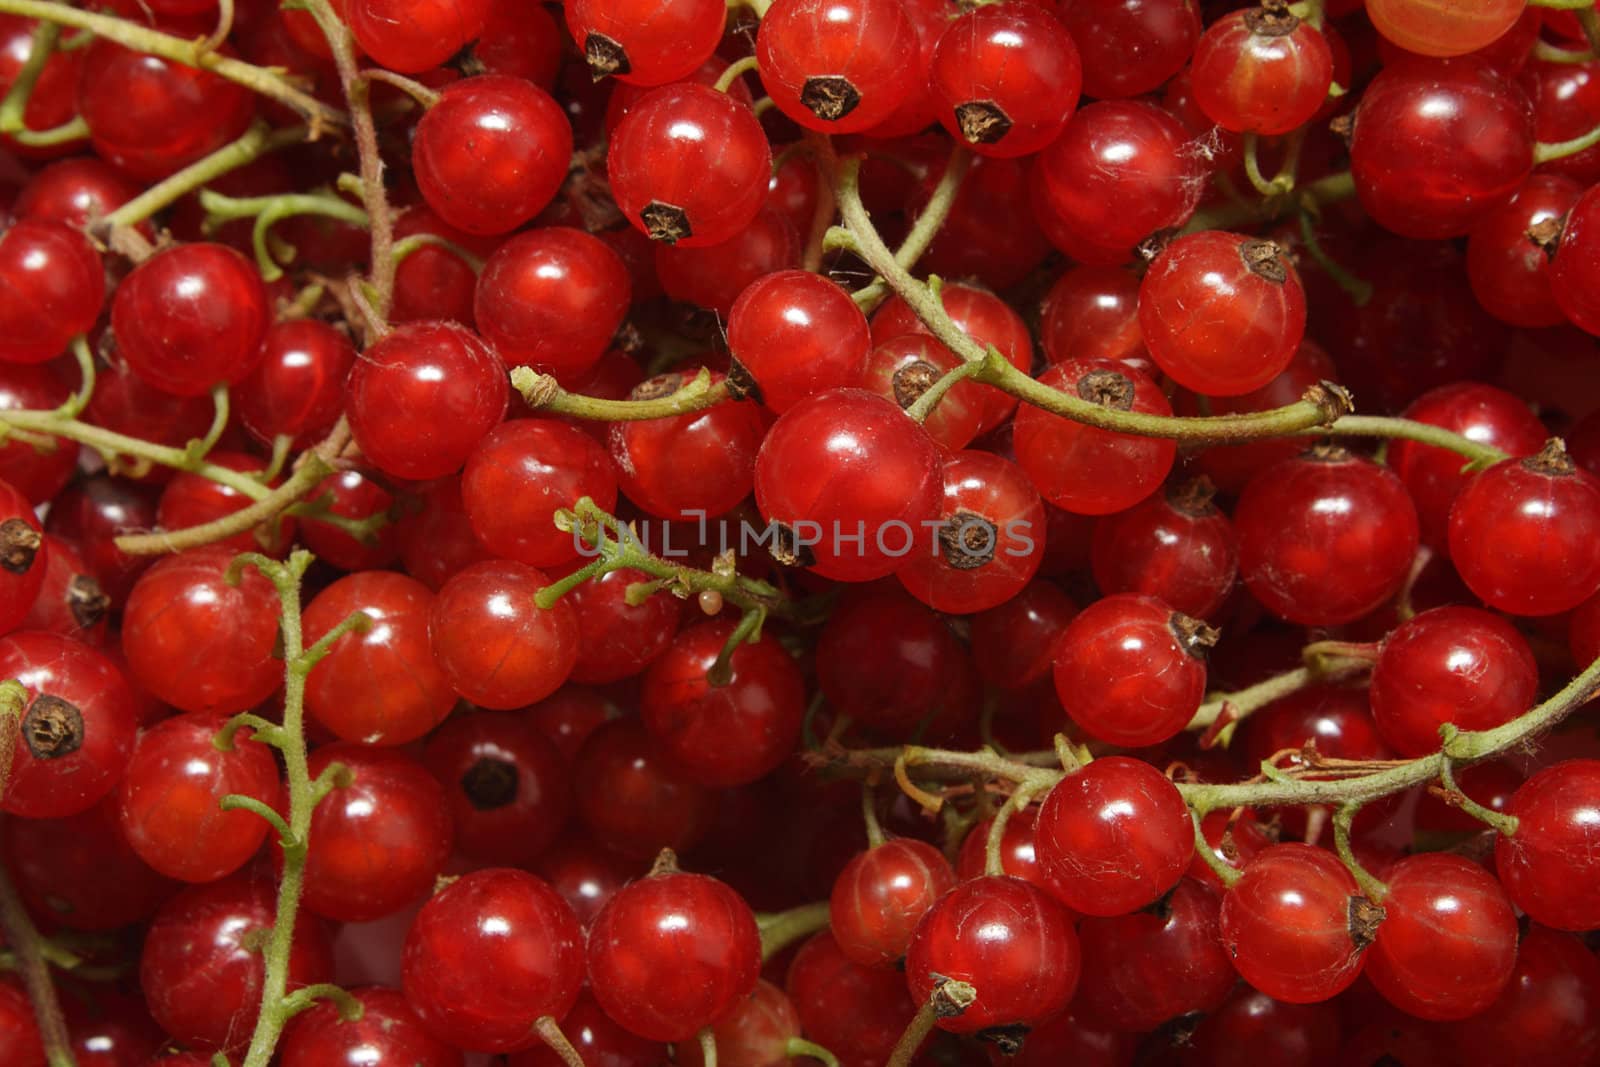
column 948, row 999
column 799, row 1046
column 86, row 375
column 1547, row 151
column 1225, row 874
column 24, row 940
column 1500, row 822
column 1373, row 889
column 198, row 449
column 708, row 1047
column 929, row 222
column 542, row 392
column 1309, row 197
column 74, row 129
column 784, row 928
column 994, row 847
column 1480, row 455
column 550, row 1033
column 1221, row 714
column 15, row 104
column 869, row 814
column 1252, row 168
column 735, row 70
column 418, row 241
column 1546, row 52
column 1358, row 289
column 749, row 629
column 277, row 1007
column 923, row 406
column 13, row 703
column 255, row 142
column 410, row 86
column 190, row 53
column 1563, row 5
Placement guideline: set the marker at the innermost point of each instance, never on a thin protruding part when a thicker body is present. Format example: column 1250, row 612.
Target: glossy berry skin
column 74, row 191
column 1325, row 538
column 168, row 798
column 645, row 44
column 882, row 894
column 1085, row 470
column 689, row 165
column 91, row 513
column 1114, row 837
column 1175, row 545
column 36, row 475
column 1565, row 96
column 297, row 387
column 1443, row 27
column 902, row 368
column 552, row 299
column 713, row 277
column 1448, row 941
column 54, row 288
column 858, row 1010
column 79, row 872
column 71, row 602
column 672, row 953
column 1131, row 671
column 388, row 1034
column 190, row 318
column 617, row 639
column 488, row 956
column 149, row 116
column 1014, row 644
column 421, row 398
column 201, row 981
column 1146, row 968
column 796, row 334
column 1522, row 535
column 1089, row 313
column 757, row 1032
column 1222, row 314
column 1450, row 665
column 729, row 734
column 498, row 648
column 837, row 67
column 1409, row 172
column 520, row 475
column 1548, row 864
column 1509, row 271
column 378, row 843
column 1006, row 79
column 507, row 789
column 195, row 641
column 353, row 495
column 846, row 463
column 1255, row 72
column 703, row 461
column 411, row 37
column 1547, row 1015
column 586, row 875
column 1292, row 926
column 1010, row 940
column 50, row 103
column 491, row 153
column 1120, row 171
column 895, row 689
column 632, row 799
column 598, row 1040
column 1480, row 413
column 1252, row 1024
column 26, row 557
column 1233, row 841
column 1577, row 264
column 1130, row 47
column 77, row 726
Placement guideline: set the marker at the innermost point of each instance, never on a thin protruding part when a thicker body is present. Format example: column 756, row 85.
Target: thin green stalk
column 1563, row 5
column 13, row 702
column 277, row 1007
column 1498, row 821
column 799, row 1046
column 550, row 1033
column 1479, row 455
column 542, row 392
column 40, row 49
column 929, row 222
column 708, row 1047
column 780, row 930
column 198, row 449
column 24, row 940
column 1371, row 887
column 948, row 999
column 994, row 847
column 1252, row 168
column 1225, row 874
column 254, row 143
column 189, row 52
column 735, row 70
column 268, row 503
column 1309, row 197
column 923, row 406
column 1358, row 289
column 268, row 211
column 1548, row 151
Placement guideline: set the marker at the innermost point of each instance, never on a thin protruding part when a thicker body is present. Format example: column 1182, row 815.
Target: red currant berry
column 1091, row 313
column 1448, row 941
column 1251, row 1027
column 795, row 334
column 192, row 499
column 882, row 894
column 421, row 398
column 713, row 276
column 632, row 799
column 1577, row 264
column 91, row 514
column 411, row 37
column 729, row 728
column 1007, row 76
column 198, row 642
column 645, row 44
column 1261, row 71
column 1295, row 924
column 74, row 191
column 169, row 798
column 1508, row 254
column 490, row 955
column 755, row 1034
column 1325, row 538
column 1548, row 862
column 520, row 475
column 24, row 558
column 38, row 474
column 903, row 368
column 1008, row 939
column 54, row 288
column 80, row 872
column 498, row 648
column 909, row 671
column 552, row 299
column 1130, row 47
column 1131, row 671
column 598, row 1041
column 1175, row 545
column 671, row 954
column 1086, row 470
column 1233, row 840
column 838, row 67
column 1014, row 644
column 617, row 639
column 297, row 388
column 1450, row 28
column 1566, row 100
column 1409, row 172
column 857, row 1011
column 1548, row 1014
column 1522, row 534
column 388, row 1034
column 689, row 165
column 353, row 496
column 1114, row 837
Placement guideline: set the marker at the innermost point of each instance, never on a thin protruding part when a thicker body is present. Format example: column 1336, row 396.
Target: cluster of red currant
column 512, row 552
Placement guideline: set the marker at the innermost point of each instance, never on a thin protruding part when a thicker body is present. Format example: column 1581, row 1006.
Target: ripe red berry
column 54, row 288
column 1222, row 314
column 1114, row 836
column 1522, row 534
column 645, row 44
column 388, row 1034
column 1130, row 47
column 490, row 955
column 1508, row 254
column 498, row 648
column 1006, row 77
column 903, row 368
column 1175, row 545
column 1548, row 862
column 896, row 688
column 1325, row 538
column 794, row 334
column 1448, row 29
column 1577, row 264
column 882, row 894
column 1261, row 71
column 1295, row 924
column 24, row 558
column 80, row 871
column 421, row 398
column 520, row 475
column 837, row 67
column 617, row 639
column 632, row 799
column 1549, row 1012
column 689, row 165
column 552, row 299
column 598, row 1040
column 1008, row 939
column 672, row 953
column 297, row 387
column 411, row 37
column 1448, row 940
